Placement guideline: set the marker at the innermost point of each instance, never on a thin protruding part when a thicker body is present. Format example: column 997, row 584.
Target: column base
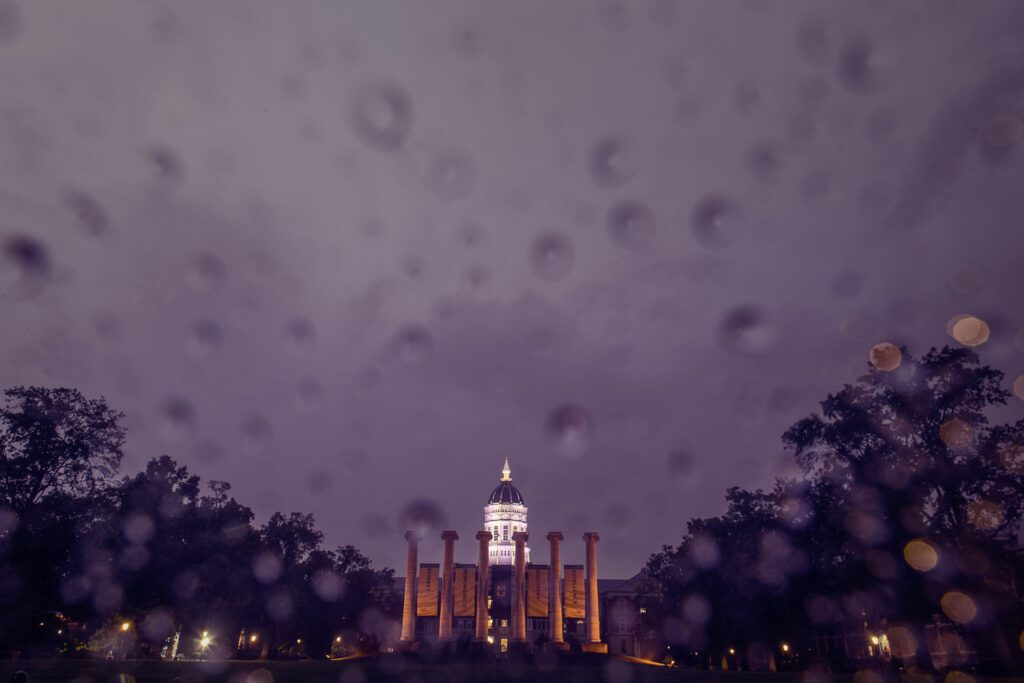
column 598, row 648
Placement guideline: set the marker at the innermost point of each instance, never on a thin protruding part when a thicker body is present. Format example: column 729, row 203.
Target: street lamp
column 126, row 625
column 785, row 647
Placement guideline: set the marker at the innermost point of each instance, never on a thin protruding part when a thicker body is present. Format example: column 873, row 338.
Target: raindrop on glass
column 570, row 428
column 1003, row 131
column 551, row 257
column 24, row 268
column 309, row 395
column 422, row 516
column 299, row 336
column 89, row 213
column 177, row 418
column 860, row 69
column 382, row 116
column 204, row 338
column 746, row 330
column 886, row 357
column 256, row 429
column 764, row 160
column 611, row 162
column 451, row 175
column 412, row 345
column 205, row 273
column 167, row 165
column 631, row 224
column 717, row 222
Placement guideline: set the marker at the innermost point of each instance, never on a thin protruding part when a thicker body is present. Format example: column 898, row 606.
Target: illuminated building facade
column 503, row 601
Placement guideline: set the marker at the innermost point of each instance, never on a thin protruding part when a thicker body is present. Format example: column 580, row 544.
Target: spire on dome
column 506, row 472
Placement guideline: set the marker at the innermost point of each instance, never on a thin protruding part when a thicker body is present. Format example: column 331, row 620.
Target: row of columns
column 555, row 538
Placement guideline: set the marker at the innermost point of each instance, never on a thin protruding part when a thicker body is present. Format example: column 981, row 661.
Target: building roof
column 506, row 492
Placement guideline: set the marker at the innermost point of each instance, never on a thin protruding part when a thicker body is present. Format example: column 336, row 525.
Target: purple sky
column 351, row 255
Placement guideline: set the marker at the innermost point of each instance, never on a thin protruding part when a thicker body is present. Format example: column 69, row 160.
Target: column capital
column 556, row 536
column 591, row 536
column 521, row 536
column 449, row 536
column 411, row 535
column 483, row 535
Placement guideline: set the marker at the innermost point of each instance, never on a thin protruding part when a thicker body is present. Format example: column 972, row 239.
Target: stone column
column 593, row 618
column 409, row 601
column 519, row 588
column 555, row 587
column 483, row 576
column 444, row 631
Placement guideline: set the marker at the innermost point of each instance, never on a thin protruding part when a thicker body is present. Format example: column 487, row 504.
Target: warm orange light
column 252, row 638
column 886, row 357
column 959, row 607
column 125, row 626
column 920, row 555
column 785, row 647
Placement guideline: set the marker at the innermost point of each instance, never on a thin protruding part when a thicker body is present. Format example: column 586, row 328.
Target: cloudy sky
column 349, row 256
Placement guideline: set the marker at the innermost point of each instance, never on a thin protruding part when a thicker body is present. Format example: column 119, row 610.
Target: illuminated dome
column 505, row 492
column 504, row 515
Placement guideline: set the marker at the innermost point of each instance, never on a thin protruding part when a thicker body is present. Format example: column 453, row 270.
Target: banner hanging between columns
column 465, row 590
column 427, row 590
column 575, row 592
column 537, row 591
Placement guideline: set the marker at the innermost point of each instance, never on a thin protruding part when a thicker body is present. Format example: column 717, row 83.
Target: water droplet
column 967, row 280
column 570, row 428
column 24, row 268
column 471, row 234
column 959, row 607
column 177, row 418
column 382, row 116
column 764, row 160
column 968, row 330
column 551, row 257
column 204, row 338
column 717, row 222
column 451, row 175
column 423, row 516
column 108, row 326
column 1003, row 131
column 299, row 336
column 956, row 434
column 1018, row 387
column 611, row 162
column 680, row 464
column 205, row 273
column 88, row 212
column 309, row 395
column 209, row 451
column 168, row 165
column 631, row 224
column 138, row 528
column 412, row 345
column 886, row 357
column 746, row 330
column 266, row 567
column 257, row 429
column 860, row 67
column 1018, row 341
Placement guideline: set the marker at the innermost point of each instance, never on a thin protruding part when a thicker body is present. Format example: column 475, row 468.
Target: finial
column 506, row 472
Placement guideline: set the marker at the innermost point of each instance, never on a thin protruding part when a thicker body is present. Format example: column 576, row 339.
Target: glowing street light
column 126, row 625
column 732, row 650
column 785, row 647
column 205, row 641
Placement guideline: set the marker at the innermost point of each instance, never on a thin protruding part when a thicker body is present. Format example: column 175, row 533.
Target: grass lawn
column 408, row 669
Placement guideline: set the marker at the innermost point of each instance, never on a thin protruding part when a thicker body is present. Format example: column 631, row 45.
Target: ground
column 596, row 668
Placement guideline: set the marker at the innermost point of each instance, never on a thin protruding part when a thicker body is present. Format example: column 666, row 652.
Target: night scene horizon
column 726, row 296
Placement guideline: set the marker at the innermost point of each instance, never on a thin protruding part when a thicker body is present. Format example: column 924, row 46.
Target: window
column 504, row 533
